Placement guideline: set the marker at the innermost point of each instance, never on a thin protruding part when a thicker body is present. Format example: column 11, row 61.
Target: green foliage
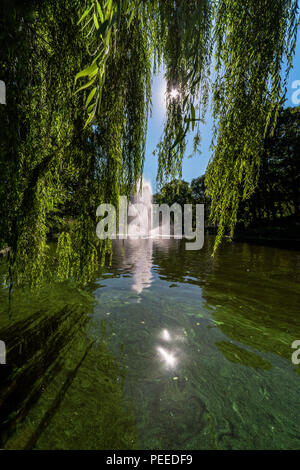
column 102, row 21
column 198, row 190
column 181, row 192
column 78, row 78
column 64, row 253
column 178, row 191
column 251, row 41
column 278, row 189
column 250, row 44
column 54, row 168
column 185, row 36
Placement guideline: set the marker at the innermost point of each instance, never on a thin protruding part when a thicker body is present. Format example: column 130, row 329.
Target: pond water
column 165, row 349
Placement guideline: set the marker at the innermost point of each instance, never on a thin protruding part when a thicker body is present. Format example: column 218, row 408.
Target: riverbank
column 284, row 233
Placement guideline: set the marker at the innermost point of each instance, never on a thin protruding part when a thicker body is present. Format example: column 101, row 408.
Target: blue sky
column 195, row 166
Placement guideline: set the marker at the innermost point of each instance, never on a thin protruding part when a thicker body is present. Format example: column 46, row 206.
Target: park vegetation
column 73, row 131
column 276, row 200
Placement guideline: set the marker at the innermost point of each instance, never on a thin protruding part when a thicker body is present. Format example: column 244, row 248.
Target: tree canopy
column 78, row 79
column 275, row 204
column 277, row 194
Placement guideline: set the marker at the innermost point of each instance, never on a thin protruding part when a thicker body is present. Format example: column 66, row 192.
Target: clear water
column 166, row 349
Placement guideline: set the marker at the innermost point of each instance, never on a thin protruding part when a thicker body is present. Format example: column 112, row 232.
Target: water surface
column 165, row 349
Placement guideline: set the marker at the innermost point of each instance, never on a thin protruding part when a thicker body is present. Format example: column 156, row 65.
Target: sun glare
column 167, row 357
column 165, row 335
column 174, row 94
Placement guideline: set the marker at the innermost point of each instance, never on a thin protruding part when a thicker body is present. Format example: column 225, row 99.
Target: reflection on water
column 178, row 350
column 138, row 255
column 168, row 358
column 165, row 335
column 208, row 344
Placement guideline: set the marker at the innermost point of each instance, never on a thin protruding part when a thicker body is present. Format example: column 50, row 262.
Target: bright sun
column 174, row 93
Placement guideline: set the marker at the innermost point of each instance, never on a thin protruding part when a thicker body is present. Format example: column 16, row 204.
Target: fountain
column 139, row 211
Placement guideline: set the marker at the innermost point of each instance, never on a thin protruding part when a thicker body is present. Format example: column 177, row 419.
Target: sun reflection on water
column 168, row 357
column 165, row 335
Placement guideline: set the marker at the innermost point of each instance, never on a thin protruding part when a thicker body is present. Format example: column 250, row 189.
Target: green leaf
column 101, row 53
column 87, row 71
column 107, row 38
column 193, row 116
column 96, row 21
column 90, row 108
column 90, row 97
column 86, row 85
column 90, row 118
column 100, row 12
column 85, row 14
column 131, row 18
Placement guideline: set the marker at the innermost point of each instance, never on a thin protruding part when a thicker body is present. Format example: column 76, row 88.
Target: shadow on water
column 35, row 348
column 56, row 376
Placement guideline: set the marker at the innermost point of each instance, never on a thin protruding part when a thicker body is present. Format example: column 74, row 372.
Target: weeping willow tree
column 185, row 35
column 40, row 118
column 78, row 78
column 252, row 39
column 58, row 159
column 252, row 42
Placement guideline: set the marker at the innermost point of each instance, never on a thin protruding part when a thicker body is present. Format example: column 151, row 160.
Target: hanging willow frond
column 185, row 34
column 101, row 19
column 252, row 39
column 55, row 162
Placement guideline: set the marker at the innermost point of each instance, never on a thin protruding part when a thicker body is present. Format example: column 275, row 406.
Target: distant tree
column 283, row 161
column 198, row 189
column 199, row 195
column 278, row 190
column 175, row 191
column 184, row 193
